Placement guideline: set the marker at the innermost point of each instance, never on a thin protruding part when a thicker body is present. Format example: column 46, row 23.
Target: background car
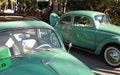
column 32, row 47
column 91, row 31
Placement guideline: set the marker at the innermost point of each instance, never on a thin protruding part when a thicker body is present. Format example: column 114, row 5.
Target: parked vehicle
column 31, row 47
column 91, row 31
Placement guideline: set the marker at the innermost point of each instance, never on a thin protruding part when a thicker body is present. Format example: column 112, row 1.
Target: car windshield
column 29, row 40
column 102, row 19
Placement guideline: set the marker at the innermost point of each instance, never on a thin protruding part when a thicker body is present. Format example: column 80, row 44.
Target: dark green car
column 33, row 47
column 91, row 31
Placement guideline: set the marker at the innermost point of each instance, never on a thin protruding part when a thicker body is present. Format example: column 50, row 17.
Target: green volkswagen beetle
column 31, row 47
column 91, row 31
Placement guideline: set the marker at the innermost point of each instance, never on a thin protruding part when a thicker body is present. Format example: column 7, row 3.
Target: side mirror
column 70, row 45
column 5, row 61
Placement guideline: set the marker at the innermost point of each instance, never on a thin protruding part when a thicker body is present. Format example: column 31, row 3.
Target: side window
column 47, row 36
column 83, row 21
column 65, row 20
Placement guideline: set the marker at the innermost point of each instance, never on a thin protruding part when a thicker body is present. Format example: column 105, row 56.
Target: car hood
column 110, row 28
column 47, row 63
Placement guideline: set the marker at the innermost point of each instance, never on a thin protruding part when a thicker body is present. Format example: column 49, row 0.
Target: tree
column 107, row 6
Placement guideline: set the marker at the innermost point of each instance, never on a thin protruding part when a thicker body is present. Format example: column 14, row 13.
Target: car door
column 53, row 18
column 83, row 32
column 64, row 26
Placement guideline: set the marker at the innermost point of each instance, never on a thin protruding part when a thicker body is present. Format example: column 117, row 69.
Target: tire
column 112, row 55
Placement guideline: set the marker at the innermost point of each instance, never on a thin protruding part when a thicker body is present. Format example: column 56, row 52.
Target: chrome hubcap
column 114, row 55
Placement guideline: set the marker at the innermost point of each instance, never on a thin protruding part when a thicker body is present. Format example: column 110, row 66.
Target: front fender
column 115, row 39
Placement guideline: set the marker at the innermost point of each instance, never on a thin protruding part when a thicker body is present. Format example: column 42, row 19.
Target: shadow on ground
column 95, row 63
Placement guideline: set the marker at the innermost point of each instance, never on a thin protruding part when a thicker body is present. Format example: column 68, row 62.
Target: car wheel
column 112, row 55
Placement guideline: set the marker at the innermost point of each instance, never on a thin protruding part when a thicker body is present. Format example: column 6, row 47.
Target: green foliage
column 25, row 5
column 110, row 7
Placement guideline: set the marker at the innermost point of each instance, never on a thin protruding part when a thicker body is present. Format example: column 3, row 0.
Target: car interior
column 28, row 40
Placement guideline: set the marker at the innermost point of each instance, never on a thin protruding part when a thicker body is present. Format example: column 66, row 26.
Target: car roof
column 84, row 12
column 10, row 14
column 23, row 24
column 6, row 17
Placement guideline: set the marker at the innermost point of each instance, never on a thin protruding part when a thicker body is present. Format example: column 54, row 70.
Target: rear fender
column 105, row 42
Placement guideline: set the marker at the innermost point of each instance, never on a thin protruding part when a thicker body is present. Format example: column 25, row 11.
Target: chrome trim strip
column 44, row 61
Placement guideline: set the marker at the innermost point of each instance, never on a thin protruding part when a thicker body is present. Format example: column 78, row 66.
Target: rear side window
column 83, row 21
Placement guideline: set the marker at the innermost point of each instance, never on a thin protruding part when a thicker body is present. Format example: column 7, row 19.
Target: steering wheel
column 44, row 46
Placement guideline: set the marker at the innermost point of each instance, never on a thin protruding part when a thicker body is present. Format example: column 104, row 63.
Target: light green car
column 33, row 47
column 91, row 31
